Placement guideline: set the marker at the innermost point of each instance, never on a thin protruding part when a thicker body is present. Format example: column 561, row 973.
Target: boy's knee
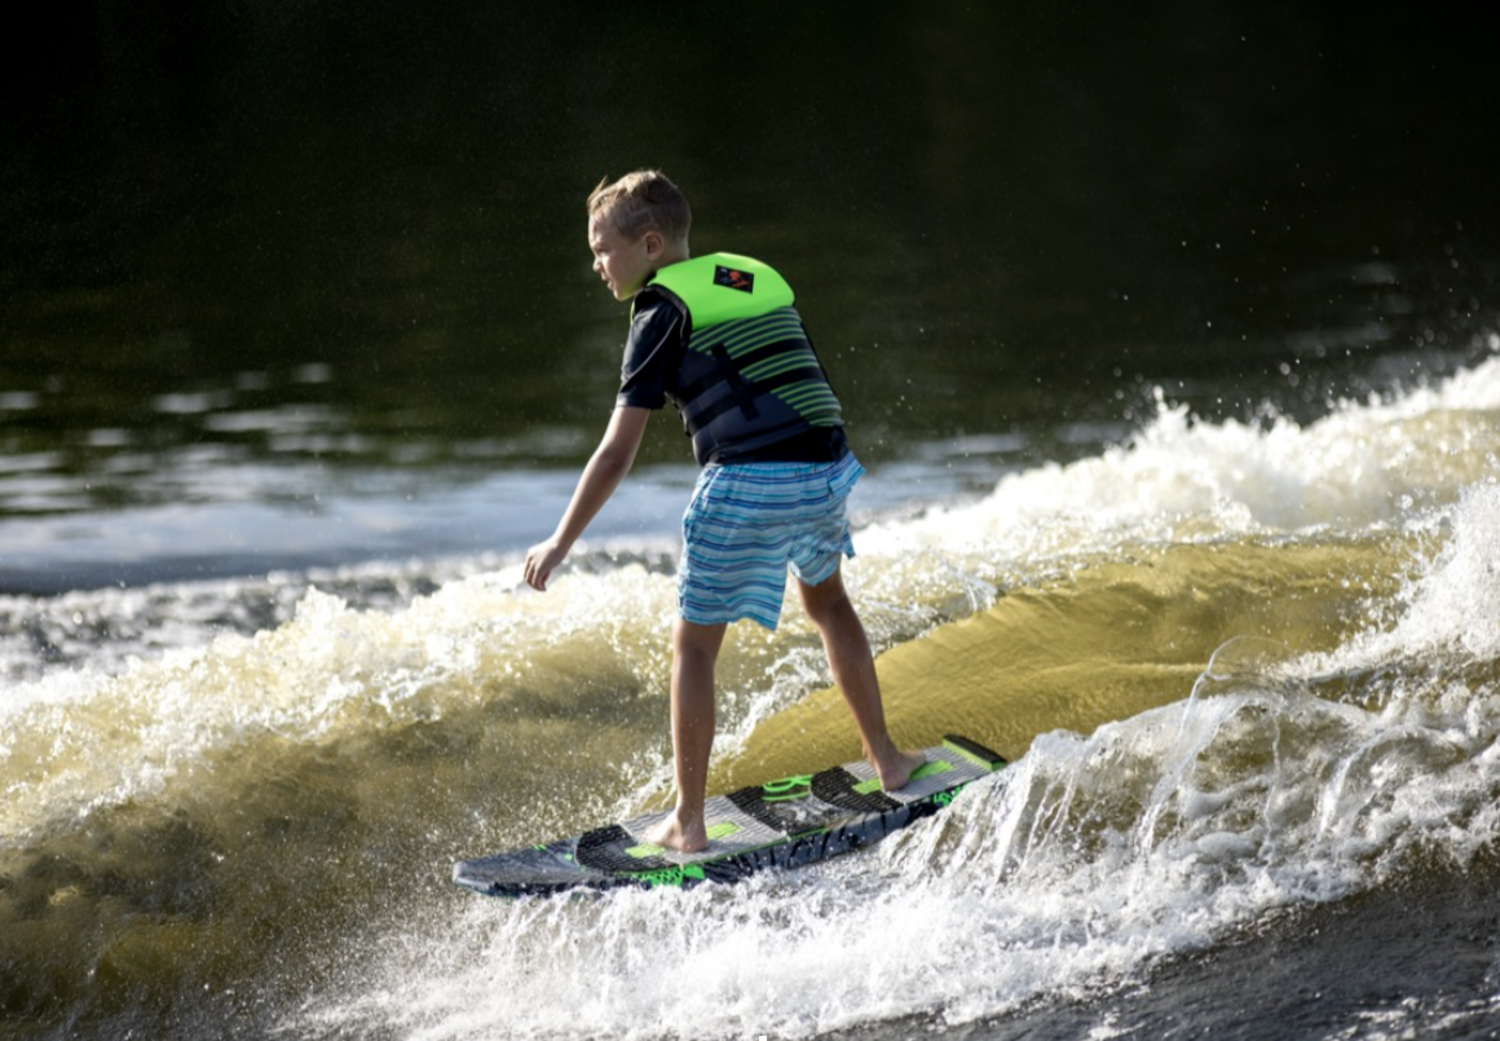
column 826, row 601
column 693, row 640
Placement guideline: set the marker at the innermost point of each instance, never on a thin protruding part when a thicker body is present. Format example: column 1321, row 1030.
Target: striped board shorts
column 748, row 524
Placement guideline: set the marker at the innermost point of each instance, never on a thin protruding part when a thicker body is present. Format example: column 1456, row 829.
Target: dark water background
column 275, row 254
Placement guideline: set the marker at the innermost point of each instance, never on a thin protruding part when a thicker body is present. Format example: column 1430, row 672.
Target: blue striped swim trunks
column 748, row 524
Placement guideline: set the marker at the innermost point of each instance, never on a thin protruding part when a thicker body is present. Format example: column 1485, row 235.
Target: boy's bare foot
column 672, row 833
column 894, row 774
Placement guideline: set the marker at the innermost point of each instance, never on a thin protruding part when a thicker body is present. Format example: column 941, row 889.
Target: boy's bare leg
column 695, row 651
column 853, row 665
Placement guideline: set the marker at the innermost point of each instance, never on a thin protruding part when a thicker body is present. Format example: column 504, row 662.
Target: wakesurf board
column 784, row 823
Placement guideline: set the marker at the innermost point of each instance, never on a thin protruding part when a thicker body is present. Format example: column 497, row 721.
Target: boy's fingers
column 537, row 572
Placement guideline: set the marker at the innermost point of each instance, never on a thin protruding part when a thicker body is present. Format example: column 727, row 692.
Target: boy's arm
column 606, row 468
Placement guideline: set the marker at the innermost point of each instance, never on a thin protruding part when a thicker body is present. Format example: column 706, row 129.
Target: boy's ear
column 655, row 244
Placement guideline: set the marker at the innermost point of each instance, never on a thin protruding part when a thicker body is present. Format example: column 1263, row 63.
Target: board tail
column 973, row 751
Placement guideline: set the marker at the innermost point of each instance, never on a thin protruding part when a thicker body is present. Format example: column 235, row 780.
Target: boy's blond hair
column 640, row 202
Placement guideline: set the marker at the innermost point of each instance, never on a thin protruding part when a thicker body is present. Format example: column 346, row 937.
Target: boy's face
column 624, row 265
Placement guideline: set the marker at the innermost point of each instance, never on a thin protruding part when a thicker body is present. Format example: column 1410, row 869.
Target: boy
column 718, row 336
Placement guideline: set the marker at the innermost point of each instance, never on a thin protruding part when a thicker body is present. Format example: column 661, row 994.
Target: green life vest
column 749, row 376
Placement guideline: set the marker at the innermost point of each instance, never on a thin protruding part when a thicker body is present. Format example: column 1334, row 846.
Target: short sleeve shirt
column 653, row 350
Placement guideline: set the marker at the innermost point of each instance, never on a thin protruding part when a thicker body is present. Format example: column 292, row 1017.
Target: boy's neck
column 668, row 258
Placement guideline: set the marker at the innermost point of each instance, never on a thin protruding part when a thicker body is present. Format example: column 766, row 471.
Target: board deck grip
column 720, row 830
column 927, row 769
column 974, row 752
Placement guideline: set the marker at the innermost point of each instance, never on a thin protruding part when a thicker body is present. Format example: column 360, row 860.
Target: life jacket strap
column 744, row 393
column 741, row 391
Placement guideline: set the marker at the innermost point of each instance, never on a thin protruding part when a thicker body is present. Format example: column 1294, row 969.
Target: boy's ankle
column 679, row 834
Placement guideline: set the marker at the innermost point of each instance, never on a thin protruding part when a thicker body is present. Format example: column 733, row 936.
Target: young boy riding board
column 718, row 336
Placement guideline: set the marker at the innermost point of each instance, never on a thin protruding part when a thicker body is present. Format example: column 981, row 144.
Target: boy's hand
column 540, row 560
column 606, row 468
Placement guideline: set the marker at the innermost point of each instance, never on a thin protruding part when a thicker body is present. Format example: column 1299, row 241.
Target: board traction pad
column 783, row 823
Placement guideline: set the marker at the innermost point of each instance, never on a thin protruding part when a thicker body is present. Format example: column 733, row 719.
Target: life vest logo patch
column 730, row 278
